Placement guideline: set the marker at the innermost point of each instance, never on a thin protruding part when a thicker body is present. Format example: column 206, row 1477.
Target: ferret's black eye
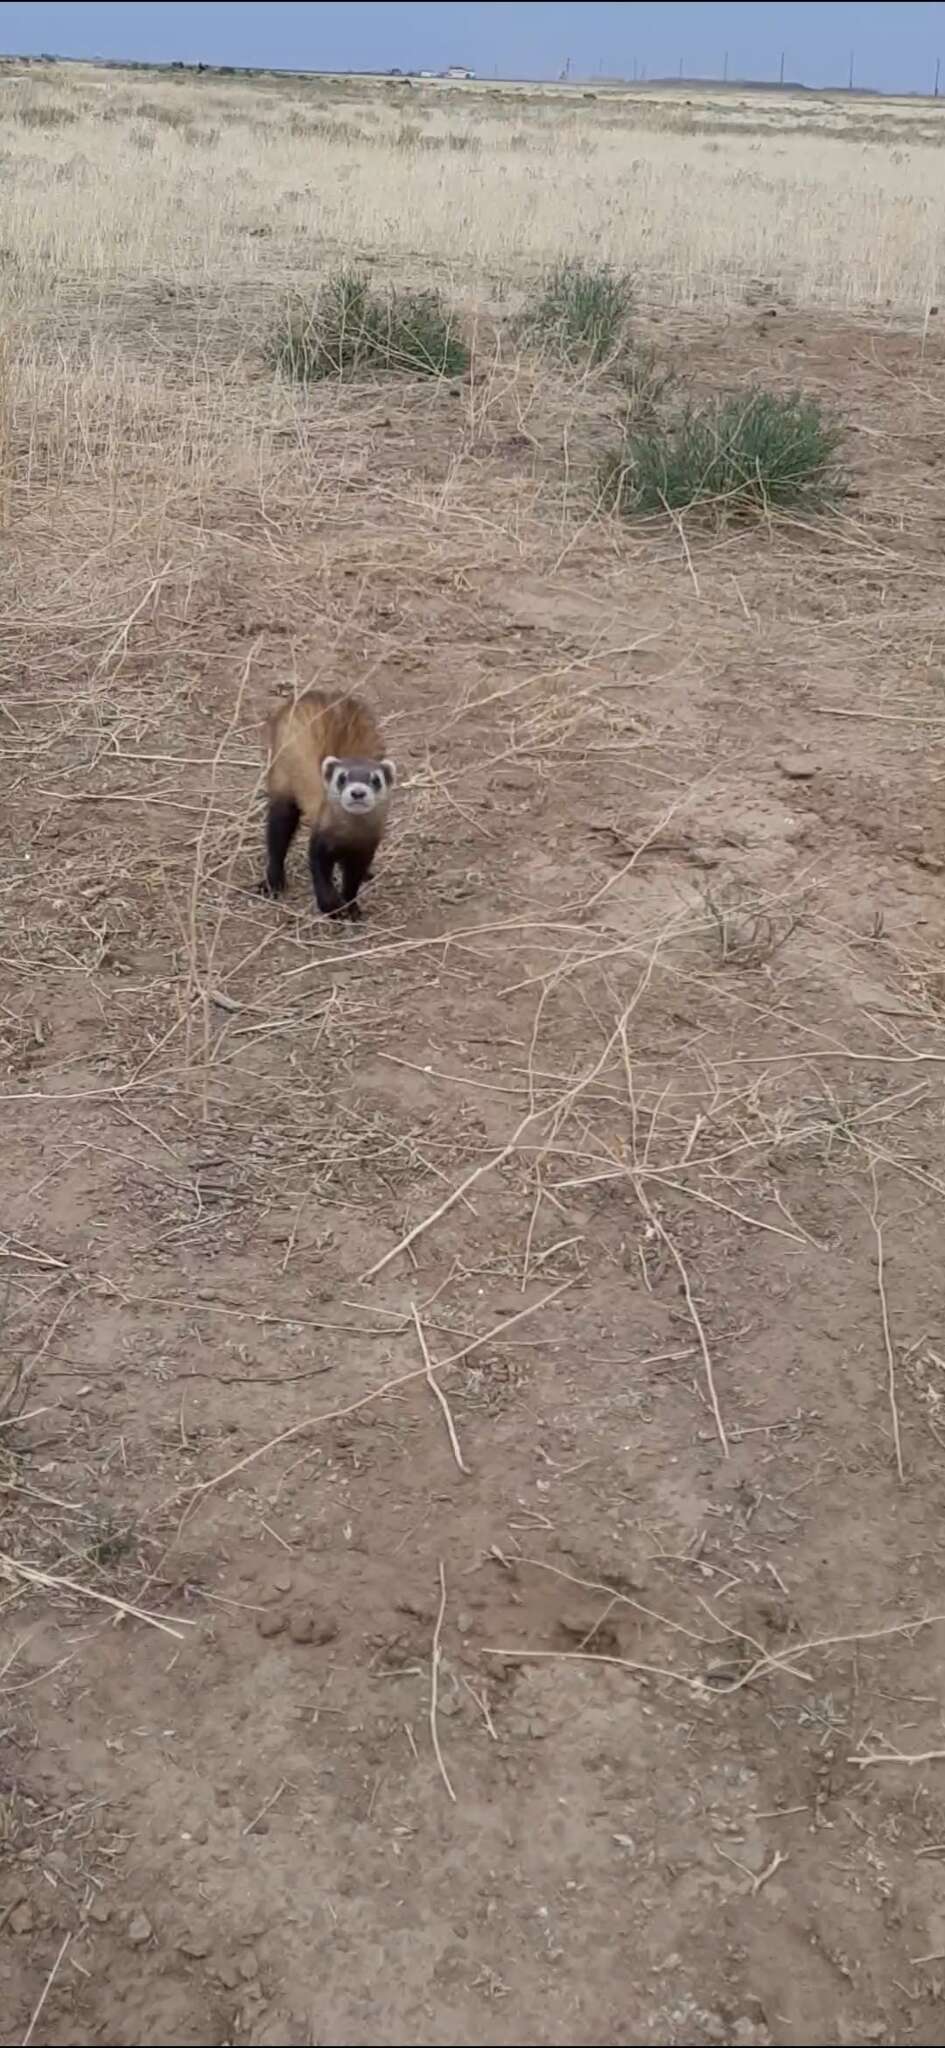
column 377, row 782
column 340, row 779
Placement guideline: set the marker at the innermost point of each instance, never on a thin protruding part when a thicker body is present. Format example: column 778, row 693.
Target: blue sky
column 895, row 46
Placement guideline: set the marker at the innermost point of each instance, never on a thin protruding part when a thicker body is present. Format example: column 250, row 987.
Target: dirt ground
column 642, row 1035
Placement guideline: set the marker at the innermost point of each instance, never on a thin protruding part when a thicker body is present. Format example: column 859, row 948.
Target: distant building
column 457, row 71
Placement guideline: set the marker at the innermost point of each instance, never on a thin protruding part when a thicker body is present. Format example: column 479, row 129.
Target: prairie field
column 472, row 1399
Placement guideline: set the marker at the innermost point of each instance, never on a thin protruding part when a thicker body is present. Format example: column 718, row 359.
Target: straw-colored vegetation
column 190, row 179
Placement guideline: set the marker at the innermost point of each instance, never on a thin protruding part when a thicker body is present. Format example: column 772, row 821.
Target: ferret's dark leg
column 355, row 866
column 282, row 817
column 321, row 860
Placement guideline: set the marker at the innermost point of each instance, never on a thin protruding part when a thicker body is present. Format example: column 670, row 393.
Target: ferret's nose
column 357, row 793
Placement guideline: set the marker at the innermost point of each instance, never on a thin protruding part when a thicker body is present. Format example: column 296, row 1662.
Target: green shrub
column 352, row 329
column 582, row 309
column 752, row 451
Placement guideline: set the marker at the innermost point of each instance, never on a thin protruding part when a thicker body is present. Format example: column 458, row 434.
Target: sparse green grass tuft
column 354, row 330
column 581, row 309
column 754, row 451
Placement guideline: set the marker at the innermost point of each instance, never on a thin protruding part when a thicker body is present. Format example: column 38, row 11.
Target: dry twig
column 437, row 1390
column 435, row 1686
column 15, row 1568
column 887, row 1334
column 47, row 1987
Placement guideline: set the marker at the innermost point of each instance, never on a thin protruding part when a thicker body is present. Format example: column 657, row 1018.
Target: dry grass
column 216, row 184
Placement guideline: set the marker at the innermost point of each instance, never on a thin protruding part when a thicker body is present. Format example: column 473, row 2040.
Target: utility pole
column 851, row 72
column 938, row 66
column 781, row 72
column 725, row 69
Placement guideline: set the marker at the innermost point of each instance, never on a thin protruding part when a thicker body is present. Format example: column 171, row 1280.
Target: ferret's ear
column 329, row 765
column 389, row 773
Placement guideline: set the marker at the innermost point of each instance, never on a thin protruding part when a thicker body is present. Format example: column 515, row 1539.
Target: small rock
column 271, row 1623
column 282, row 1581
column 228, row 1975
column 100, row 1910
column 464, row 1622
column 280, row 2029
column 21, row 1918
column 57, row 1861
column 249, row 1965
column 797, row 767
column 533, row 1725
column 747, row 2033
column 139, row 1929
column 307, row 1627
column 931, row 861
column 302, row 1625
column 193, row 1945
column 200, row 1831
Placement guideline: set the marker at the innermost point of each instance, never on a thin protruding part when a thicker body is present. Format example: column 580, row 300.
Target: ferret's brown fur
column 302, row 736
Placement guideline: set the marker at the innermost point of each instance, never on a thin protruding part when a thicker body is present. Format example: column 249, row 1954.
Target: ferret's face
column 358, row 786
